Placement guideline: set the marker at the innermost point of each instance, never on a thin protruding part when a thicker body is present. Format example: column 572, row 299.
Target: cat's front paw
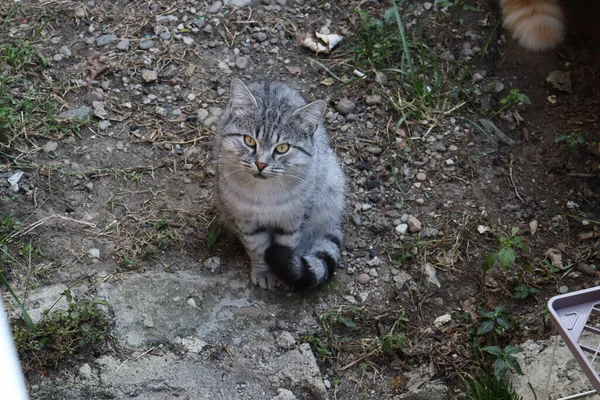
column 263, row 277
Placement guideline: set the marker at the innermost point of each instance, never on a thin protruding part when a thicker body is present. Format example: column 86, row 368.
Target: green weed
column 504, row 359
column 487, row 386
column 507, row 251
column 573, row 139
column 494, row 323
column 524, row 291
column 61, row 334
column 514, row 97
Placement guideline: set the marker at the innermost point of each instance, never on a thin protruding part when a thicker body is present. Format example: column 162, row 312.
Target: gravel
column 215, row 7
column 373, row 100
column 106, row 39
column 123, row 45
column 50, row 146
column 242, row 62
column 146, row 44
column 345, row 106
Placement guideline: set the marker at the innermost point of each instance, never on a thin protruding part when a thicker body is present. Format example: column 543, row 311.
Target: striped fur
column 537, row 24
column 286, row 208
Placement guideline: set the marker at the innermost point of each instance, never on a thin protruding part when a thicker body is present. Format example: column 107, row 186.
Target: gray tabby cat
column 279, row 185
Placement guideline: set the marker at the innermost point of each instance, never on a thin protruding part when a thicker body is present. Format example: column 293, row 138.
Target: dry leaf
column 320, row 43
column 560, row 80
column 533, row 225
column 327, row 82
column 97, row 67
column 293, row 70
column 555, row 258
column 99, row 110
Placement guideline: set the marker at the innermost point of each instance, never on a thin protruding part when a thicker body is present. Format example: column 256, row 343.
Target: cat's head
column 269, row 133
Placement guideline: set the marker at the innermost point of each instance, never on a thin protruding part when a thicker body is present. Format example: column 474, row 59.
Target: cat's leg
column 256, row 242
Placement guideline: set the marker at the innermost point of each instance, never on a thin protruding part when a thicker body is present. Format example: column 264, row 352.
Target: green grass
column 486, row 386
column 61, row 334
column 28, row 104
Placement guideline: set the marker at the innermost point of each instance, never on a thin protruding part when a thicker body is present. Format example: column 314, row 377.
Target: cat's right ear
column 240, row 97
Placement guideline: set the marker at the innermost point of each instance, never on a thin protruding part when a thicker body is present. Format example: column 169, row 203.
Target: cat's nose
column 261, row 165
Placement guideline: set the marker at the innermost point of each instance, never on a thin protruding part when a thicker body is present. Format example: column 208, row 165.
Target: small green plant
column 487, row 386
column 504, row 359
column 7, row 226
column 507, row 251
column 573, row 139
column 494, row 322
column 524, row 291
column 338, row 317
column 61, row 334
column 514, row 97
column 315, row 341
column 394, row 340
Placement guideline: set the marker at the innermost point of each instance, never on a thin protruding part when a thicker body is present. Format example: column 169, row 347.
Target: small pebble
column 363, row 279
column 421, row 176
column 146, row 44
column 50, row 146
column 123, row 45
column 345, row 106
column 373, row 100
column 215, row 7
column 414, row 225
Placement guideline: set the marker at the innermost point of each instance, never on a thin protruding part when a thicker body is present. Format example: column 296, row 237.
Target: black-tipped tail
column 301, row 272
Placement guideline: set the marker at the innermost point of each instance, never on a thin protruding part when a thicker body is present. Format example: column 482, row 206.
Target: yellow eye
column 249, row 141
column 282, row 148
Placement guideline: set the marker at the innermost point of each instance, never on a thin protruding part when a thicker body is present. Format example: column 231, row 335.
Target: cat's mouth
column 259, row 175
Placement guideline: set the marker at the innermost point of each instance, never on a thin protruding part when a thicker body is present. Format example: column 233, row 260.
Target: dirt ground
column 125, row 197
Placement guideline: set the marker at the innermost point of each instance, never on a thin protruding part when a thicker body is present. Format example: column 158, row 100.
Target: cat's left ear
column 311, row 115
column 240, row 96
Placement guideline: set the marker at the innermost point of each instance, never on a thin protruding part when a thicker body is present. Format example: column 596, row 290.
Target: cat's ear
column 311, row 114
column 240, row 97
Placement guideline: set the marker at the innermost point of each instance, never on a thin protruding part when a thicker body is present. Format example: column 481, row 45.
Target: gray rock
column 79, row 12
column 199, row 23
column 345, row 106
column 260, row 36
column 94, row 96
column 202, row 114
column 45, row 298
column 149, row 75
column 80, row 113
column 215, row 7
column 85, row 371
column 376, row 151
column 146, row 44
column 282, row 2
column 106, row 39
column 188, row 40
column 242, row 62
column 240, row 3
column 429, row 232
column 50, row 146
column 402, row 229
column 284, row 394
column 104, row 124
column 586, row 269
column 364, row 279
column 208, row 28
column 57, row 57
column 373, row 99
column 123, row 45
column 66, row 51
column 212, row 263
column 165, row 36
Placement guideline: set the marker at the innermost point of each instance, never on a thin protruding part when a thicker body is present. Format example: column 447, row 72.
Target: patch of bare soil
column 431, row 193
